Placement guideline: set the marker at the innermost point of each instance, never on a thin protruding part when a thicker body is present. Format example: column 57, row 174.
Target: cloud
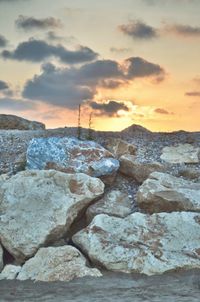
column 70, row 86
column 3, row 41
column 183, row 30
column 138, row 67
column 193, row 93
column 109, row 108
column 39, row 50
column 16, row 104
column 3, row 85
column 29, row 23
column 138, row 30
column 162, row 111
column 120, row 50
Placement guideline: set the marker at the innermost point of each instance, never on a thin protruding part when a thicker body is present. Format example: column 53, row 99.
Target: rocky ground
column 136, row 208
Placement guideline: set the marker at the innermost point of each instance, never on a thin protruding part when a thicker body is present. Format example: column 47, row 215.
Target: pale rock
column 10, row 272
column 138, row 170
column 38, row 207
column 162, row 192
column 141, row 243
column 113, row 203
column 119, row 147
column 1, row 258
column 57, row 264
column 183, row 153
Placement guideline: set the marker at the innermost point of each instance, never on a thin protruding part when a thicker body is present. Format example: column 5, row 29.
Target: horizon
column 126, row 62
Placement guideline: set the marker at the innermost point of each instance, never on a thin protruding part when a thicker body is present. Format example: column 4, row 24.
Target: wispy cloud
column 138, row 30
column 29, row 23
column 192, row 93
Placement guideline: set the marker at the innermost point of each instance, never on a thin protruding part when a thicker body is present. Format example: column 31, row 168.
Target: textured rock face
column 120, row 147
column 8, row 122
column 1, row 258
column 57, row 264
column 10, row 272
column 71, row 155
column 37, row 207
column 163, row 192
column 149, row 244
column 183, row 153
column 139, row 171
column 114, row 203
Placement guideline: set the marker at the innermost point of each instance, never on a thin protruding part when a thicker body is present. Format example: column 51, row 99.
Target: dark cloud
column 29, row 23
column 138, row 30
column 3, row 85
column 183, row 30
column 193, row 93
column 38, row 50
column 3, row 41
column 70, row 86
column 162, row 111
column 138, row 67
column 109, row 108
column 16, row 104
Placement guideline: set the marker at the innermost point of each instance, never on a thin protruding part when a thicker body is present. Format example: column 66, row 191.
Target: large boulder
column 162, row 192
column 138, row 170
column 1, row 258
column 57, row 264
column 9, row 122
column 119, row 147
column 38, row 207
column 183, row 153
column 140, row 243
column 71, row 155
column 113, row 203
column 10, row 272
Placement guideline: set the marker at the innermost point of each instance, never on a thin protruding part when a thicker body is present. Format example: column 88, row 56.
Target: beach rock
column 57, row 264
column 141, row 243
column 138, row 170
column 38, row 207
column 9, row 122
column 114, row 203
column 119, row 147
column 1, row 258
column 183, row 153
column 10, row 272
column 162, row 192
column 71, row 155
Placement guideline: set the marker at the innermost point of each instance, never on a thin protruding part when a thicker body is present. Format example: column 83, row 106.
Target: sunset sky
column 126, row 61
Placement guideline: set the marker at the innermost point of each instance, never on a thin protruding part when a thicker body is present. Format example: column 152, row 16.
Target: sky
column 124, row 61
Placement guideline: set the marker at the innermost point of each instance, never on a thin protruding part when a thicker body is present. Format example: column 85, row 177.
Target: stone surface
column 139, row 171
column 9, row 122
column 189, row 173
column 1, row 258
column 10, row 272
column 183, row 153
column 114, row 203
column 162, row 192
column 37, row 207
column 119, row 147
column 71, row 155
column 57, row 264
column 148, row 244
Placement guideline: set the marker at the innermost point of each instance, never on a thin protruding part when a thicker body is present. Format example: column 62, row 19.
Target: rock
column 38, row 207
column 57, row 264
column 1, row 258
column 189, row 173
column 139, row 171
column 141, row 243
column 183, row 153
column 119, row 147
column 71, row 155
column 114, row 203
column 10, row 272
column 8, row 122
column 162, row 192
